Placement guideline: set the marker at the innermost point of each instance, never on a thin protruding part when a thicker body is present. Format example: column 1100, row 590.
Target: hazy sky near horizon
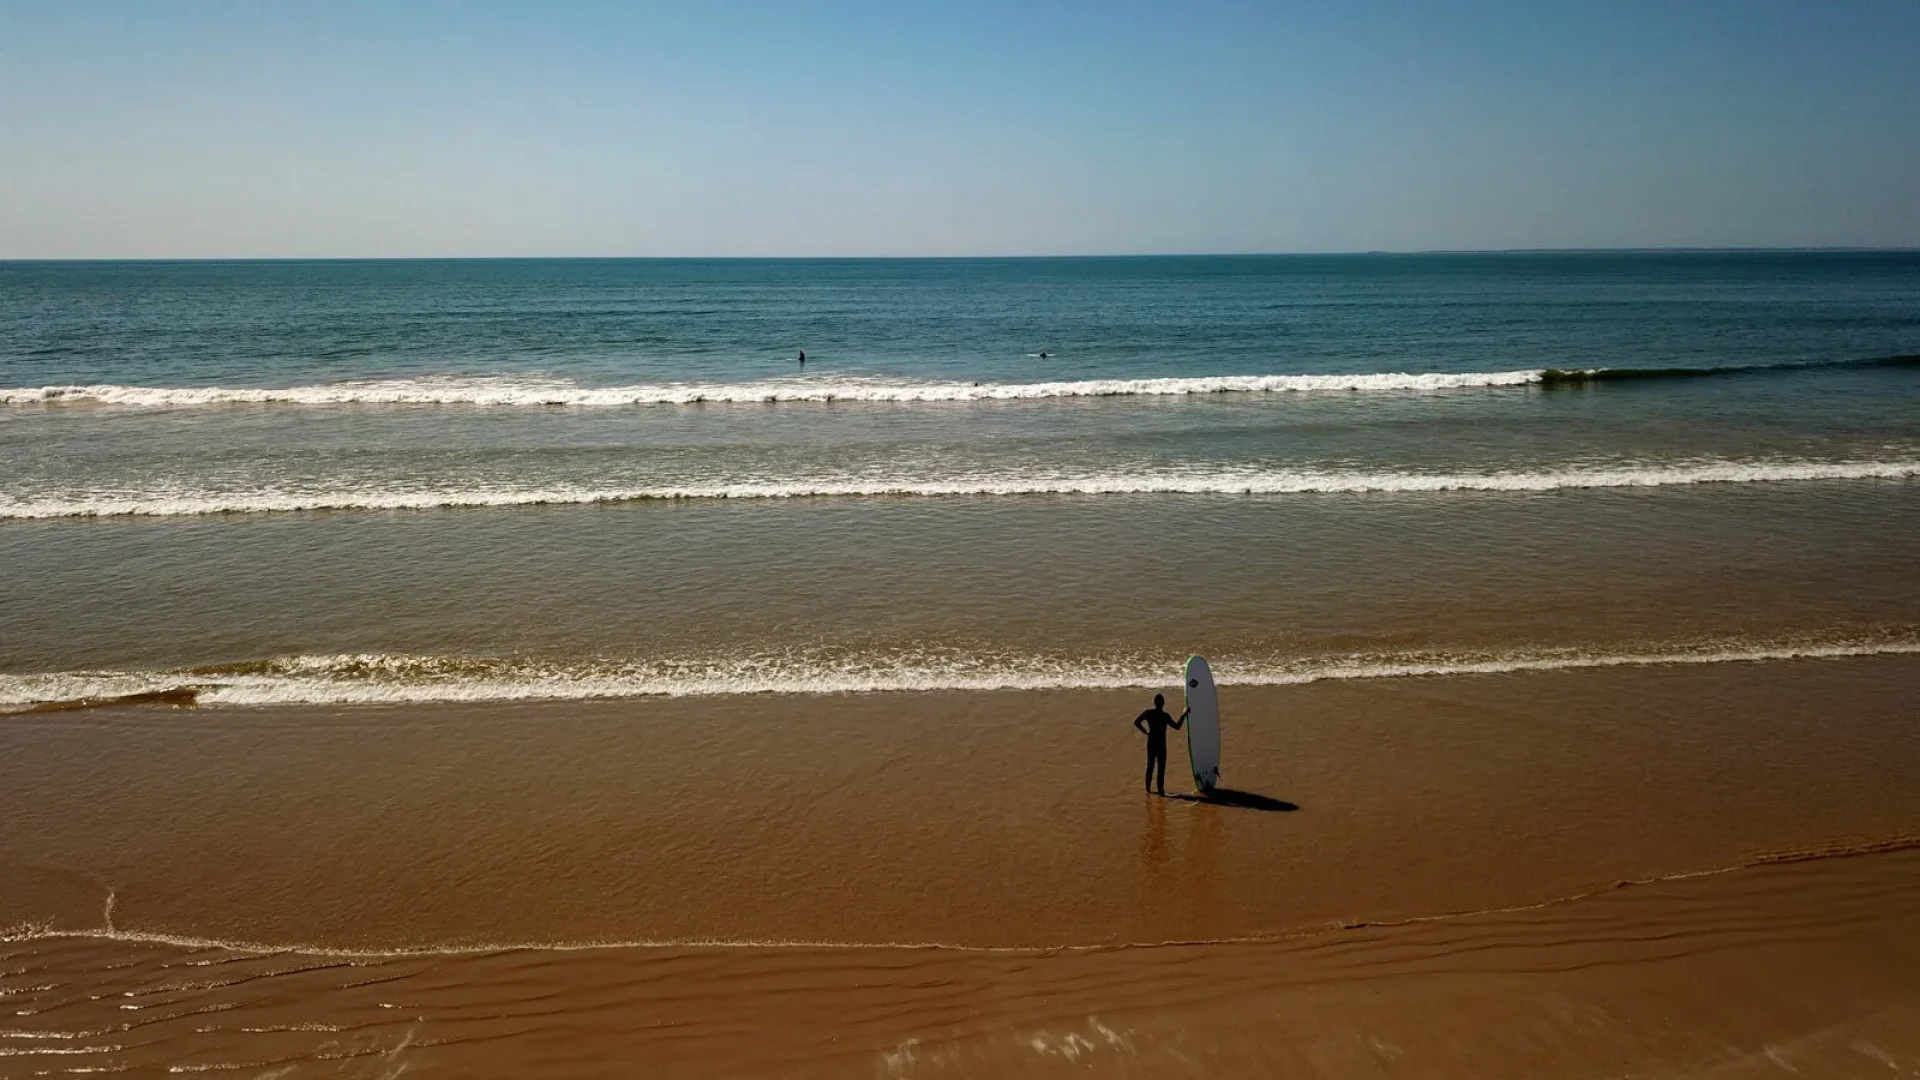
column 442, row 128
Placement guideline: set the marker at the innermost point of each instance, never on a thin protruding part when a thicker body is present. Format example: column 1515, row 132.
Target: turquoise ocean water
column 262, row 482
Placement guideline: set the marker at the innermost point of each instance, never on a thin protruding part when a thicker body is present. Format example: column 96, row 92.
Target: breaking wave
column 376, row 679
column 522, row 391
column 535, row 391
column 1237, row 481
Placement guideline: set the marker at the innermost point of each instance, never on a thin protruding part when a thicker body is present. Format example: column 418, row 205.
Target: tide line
column 31, row 932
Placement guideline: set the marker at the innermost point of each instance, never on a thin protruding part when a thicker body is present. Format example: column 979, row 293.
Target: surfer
column 803, row 358
column 1154, row 724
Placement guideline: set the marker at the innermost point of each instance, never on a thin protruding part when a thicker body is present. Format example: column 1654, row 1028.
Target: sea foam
column 376, row 679
column 537, row 392
column 1232, row 481
column 533, row 390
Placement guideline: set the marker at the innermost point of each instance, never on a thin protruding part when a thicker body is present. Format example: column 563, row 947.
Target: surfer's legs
column 1157, row 762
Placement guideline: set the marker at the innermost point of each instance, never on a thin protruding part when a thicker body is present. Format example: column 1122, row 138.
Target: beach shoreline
column 1799, row 967
column 991, row 857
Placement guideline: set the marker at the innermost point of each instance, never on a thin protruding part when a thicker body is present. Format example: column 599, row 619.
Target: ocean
column 267, row 483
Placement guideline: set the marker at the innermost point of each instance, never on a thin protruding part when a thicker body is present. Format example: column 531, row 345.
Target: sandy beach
column 1682, row 870
column 543, row 541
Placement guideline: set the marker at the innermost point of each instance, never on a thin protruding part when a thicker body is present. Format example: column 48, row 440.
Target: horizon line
column 1677, row 250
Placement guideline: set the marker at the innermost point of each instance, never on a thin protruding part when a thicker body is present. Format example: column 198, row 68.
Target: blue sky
column 903, row 128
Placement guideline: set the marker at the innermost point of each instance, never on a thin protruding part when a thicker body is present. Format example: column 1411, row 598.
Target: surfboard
column 1203, row 725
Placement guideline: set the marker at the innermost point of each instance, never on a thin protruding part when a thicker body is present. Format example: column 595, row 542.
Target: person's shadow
column 1246, row 800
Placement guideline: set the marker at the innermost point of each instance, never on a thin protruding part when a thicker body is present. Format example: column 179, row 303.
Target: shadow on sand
column 1244, row 799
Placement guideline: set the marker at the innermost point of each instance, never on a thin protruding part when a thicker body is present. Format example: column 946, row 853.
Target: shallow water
column 380, row 481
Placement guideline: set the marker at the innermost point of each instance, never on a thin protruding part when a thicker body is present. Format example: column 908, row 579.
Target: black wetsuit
column 1156, row 721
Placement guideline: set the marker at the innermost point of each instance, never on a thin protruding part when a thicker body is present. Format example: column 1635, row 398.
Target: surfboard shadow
column 1246, row 800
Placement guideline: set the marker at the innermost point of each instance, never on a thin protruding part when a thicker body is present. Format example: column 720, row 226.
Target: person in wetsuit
column 1154, row 724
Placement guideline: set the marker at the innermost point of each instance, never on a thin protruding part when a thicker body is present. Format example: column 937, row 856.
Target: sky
column 968, row 127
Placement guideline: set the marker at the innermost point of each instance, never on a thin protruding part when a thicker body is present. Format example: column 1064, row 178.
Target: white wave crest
column 377, row 679
column 170, row 503
column 534, row 392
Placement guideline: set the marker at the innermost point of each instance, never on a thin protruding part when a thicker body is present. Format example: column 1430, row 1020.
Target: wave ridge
column 385, row 679
column 1569, row 377
column 539, row 391
column 1235, row 481
column 526, row 391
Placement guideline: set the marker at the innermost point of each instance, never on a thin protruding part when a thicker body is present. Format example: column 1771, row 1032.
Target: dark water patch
column 1571, row 377
column 173, row 695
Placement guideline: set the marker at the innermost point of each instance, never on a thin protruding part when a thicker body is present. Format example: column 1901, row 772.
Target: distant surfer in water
column 1154, row 724
column 803, row 358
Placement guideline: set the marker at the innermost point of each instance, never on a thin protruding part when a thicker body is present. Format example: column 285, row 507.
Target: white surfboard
column 1203, row 725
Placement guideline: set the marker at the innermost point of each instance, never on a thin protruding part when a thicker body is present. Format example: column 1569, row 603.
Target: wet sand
column 1693, row 870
